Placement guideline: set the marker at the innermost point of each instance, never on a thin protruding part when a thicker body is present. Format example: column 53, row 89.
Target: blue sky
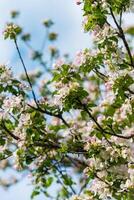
column 67, row 17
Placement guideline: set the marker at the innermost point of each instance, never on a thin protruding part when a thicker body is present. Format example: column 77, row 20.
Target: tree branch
column 25, row 69
column 122, row 35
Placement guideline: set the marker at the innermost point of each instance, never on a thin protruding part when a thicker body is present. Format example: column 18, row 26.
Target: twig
column 25, row 69
column 122, row 35
column 9, row 132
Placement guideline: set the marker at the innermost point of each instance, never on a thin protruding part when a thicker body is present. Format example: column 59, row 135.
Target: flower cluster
column 5, row 75
column 11, row 31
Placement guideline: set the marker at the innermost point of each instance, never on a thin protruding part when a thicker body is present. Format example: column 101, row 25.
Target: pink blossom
column 59, row 62
column 100, row 119
column 108, row 85
column 79, row 59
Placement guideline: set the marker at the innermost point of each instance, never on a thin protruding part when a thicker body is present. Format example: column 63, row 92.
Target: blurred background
column 66, row 15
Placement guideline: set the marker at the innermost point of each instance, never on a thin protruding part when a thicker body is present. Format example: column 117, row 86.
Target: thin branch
column 83, row 186
column 44, row 40
column 103, row 131
column 25, row 69
column 59, row 115
column 120, row 18
column 122, row 35
column 62, row 175
column 9, row 132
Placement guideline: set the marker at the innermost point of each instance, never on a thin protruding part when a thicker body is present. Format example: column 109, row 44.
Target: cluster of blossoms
column 12, row 102
column 5, row 75
column 80, row 59
column 11, row 31
column 20, row 130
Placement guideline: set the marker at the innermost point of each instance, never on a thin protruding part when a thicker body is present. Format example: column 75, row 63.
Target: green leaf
column 35, row 193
